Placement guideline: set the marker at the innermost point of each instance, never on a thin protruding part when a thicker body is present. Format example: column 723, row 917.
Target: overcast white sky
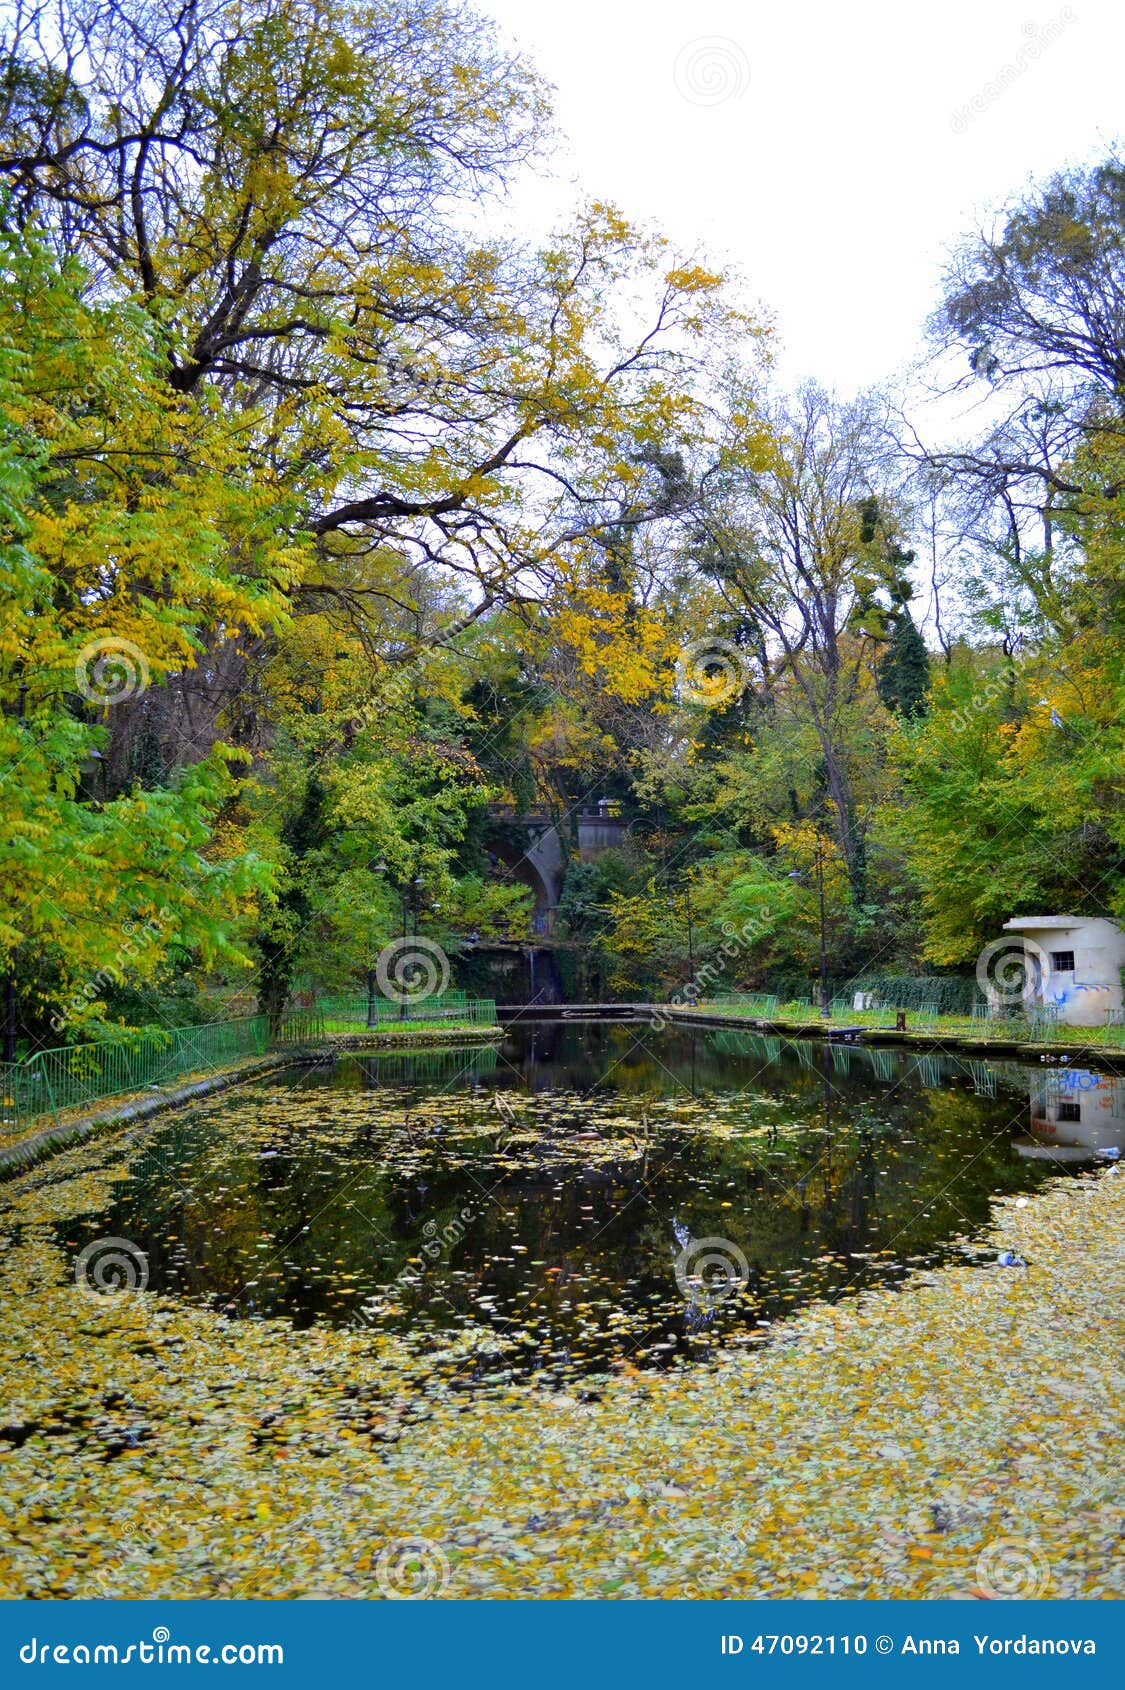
column 831, row 151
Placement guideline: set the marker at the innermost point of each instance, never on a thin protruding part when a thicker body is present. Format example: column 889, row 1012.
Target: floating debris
column 873, row 1444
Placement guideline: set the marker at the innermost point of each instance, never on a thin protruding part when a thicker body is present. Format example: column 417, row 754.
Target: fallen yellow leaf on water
column 147, row 1430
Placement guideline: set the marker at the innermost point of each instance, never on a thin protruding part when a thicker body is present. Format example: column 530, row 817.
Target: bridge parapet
column 542, row 862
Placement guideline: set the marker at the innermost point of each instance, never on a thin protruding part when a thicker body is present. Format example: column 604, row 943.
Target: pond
column 586, row 1197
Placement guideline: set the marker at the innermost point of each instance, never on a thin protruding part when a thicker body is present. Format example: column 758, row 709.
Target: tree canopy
column 341, row 529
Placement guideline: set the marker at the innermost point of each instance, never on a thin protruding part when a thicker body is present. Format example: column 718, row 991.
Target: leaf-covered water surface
column 373, row 1326
column 529, row 1213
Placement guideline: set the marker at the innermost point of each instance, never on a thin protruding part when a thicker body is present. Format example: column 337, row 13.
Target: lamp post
column 409, row 909
column 379, row 868
column 10, row 981
column 825, row 1002
column 690, row 940
column 690, row 944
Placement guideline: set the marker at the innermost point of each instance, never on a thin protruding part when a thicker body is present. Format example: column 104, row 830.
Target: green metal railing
column 74, row 1075
column 758, row 1003
column 300, row 1027
column 986, row 1023
column 429, row 1067
column 339, row 1014
column 924, row 993
column 890, row 1065
column 764, row 1047
column 345, row 1004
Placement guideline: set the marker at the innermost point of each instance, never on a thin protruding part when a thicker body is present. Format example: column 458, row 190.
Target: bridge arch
column 531, row 847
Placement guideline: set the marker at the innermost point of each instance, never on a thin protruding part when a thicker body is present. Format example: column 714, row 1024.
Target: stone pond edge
column 44, row 1142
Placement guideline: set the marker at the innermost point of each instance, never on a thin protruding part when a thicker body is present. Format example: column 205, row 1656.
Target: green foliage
column 396, row 535
column 100, row 554
column 903, row 673
column 1005, row 811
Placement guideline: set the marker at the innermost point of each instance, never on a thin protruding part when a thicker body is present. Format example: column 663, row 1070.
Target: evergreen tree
column 903, row 676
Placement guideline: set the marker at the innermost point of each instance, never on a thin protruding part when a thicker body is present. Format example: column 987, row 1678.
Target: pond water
column 585, row 1196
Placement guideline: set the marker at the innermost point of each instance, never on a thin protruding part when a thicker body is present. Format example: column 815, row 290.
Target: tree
column 1044, row 295
column 1035, row 310
column 284, row 934
column 127, row 537
column 801, row 544
column 338, row 431
column 903, row 674
column 1013, row 799
column 283, row 187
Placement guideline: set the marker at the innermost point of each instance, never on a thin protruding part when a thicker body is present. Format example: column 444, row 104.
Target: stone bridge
column 535, row 852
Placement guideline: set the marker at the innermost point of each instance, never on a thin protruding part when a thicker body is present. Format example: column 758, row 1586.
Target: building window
column 1062, row 962
column 1070, row 1112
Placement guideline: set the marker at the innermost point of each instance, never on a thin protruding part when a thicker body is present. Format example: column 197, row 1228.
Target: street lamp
column 825, row 1002
column 380, row 868
column 409, row 889
column 10, row 981
column 690, row 940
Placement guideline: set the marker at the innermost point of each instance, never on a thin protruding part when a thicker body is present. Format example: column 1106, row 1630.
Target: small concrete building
column 1075, row 962
column 1076, row 1114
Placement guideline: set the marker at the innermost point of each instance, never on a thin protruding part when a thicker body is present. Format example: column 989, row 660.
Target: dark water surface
column 538, row 1209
